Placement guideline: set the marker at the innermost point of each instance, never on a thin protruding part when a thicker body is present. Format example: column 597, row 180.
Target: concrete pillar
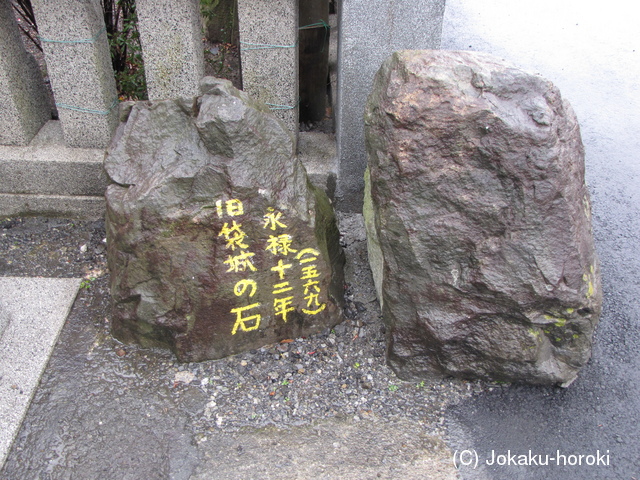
column 269, row 55
column 171, row 39
column 24, row 105
column 74, row 40
column 370, row 30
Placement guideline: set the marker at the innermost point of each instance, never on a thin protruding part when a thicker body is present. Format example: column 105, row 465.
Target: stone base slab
column 65, row 206
column 33, row 323
column 48, row 167
column 317, row 152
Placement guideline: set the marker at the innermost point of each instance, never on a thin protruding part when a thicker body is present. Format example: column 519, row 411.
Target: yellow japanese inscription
column 312, row 287
column 295, row 267
column 307, row 255
column 282, row 306
column 283, row 287
column 280, row 244
column 312, row 299
column 233, row 235
column 241, row 262
column 233, row 208
column 312, row 296
column 241, row 287
column 310, row 272
column 280, row 268
column 316, row 311
column 246, row 324
column 272, row 219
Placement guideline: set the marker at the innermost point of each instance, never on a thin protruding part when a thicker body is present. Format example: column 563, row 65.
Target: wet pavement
column 326, row 406
column 591, row 51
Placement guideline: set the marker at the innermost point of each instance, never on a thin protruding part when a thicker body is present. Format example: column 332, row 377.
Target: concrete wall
column 171, row 38
column 73, row 37
column 370, row 30
column 269, row 55
column 54, row 168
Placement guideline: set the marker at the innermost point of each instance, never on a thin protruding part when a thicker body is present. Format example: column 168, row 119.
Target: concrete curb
column 50, row 179
column 48, row 166
column 37, row 308
column 317, row 152
column 82, row 208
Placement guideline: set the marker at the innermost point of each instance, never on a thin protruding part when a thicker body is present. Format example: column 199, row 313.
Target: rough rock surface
column 217, row 241
column 481, row 213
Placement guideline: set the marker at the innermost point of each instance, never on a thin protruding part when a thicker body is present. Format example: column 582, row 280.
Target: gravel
column 338, row 374
column 50, row 247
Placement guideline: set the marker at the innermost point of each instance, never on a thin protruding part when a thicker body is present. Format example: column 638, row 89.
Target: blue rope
column 84, row 40
column 321, row 23
column 275, row 106
column 264, row 46
column 89, row 110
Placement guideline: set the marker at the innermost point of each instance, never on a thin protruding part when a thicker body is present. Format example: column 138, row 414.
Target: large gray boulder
column 479, row 215
column 217, row 241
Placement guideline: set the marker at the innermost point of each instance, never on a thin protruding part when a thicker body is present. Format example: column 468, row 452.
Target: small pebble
column 184, row 377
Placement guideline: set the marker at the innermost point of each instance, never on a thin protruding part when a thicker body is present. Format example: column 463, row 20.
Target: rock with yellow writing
column 217, row 241
column 479, row 216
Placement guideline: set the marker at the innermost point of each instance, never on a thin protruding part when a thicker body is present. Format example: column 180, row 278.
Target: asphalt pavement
column 591, row 51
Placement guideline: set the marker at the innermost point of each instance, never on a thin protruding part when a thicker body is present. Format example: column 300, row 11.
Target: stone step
column 48, row 167
column 317, row 152
column 66, row 206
